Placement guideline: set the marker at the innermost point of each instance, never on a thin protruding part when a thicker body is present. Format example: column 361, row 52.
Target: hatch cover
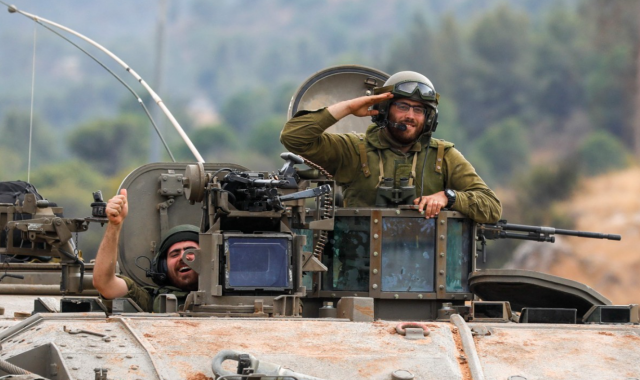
column 523, row 288
column 333, row 85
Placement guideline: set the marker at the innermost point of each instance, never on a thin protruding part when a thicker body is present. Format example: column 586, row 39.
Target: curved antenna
column 135, row 94
column 156, row 98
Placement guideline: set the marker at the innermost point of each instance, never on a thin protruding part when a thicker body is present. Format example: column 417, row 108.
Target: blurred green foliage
column 502, row 151
column 111, row 144
column 600, row 152
column 513, row 76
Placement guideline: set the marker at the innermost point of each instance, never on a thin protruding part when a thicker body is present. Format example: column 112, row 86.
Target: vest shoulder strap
column 364, row 161
column 440, row 156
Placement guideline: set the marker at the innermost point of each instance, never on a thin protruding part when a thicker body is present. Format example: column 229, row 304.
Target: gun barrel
column 557, row 231
column 592, row 235
column 309, row 193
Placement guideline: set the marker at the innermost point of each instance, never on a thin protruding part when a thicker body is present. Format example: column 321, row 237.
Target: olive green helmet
column 409, row 85
column 184, row 232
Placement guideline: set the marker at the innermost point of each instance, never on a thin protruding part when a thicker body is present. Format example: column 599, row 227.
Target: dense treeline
column 535, row 93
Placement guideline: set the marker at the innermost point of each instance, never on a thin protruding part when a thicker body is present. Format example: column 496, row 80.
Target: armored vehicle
column 292, row 286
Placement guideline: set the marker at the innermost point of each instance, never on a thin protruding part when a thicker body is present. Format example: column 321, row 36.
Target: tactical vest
column 360, row 187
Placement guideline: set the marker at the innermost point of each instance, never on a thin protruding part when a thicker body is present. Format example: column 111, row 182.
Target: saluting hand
column 358, row 106
column 118, row 208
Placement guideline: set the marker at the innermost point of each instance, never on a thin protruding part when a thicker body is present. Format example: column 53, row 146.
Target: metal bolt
column 441, row 272
column 375, row 221
column 164, row 191
column 420, row 296
column 333, row 294
column 375, row 271
column 164, row 177
column 396, row 296
column 441, row 287
column 356, row 211
column 422, row 212
column 441, row 237
column 375, row 236
column 375, row 253
column 397, row 212
column 375, row 286
column 441, row 254
column 442, row 222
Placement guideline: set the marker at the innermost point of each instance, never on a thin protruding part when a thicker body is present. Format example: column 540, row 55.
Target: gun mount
column 250, row 260
column 35, row 229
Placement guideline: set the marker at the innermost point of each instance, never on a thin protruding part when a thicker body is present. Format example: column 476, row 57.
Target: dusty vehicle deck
column 166, row 347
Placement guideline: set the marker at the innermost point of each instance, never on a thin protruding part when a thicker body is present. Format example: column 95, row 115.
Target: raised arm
column 104, row 270
column 304, row 133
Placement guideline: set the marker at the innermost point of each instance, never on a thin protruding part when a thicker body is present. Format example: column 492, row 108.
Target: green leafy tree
column 498, row 84
column 505, row 150
column 601, row 152
column 14, row 144
column 542, row 187
column 560, row 53
column 265, row 138
column 216, row 143
column 612, row 27
column 413, row 50
column 111, row 145
column 246, row 109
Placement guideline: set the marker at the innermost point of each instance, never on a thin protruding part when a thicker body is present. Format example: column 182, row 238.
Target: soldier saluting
column 399, row 145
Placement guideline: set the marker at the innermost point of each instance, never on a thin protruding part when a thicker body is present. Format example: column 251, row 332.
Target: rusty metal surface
column 559, row 351
column 325, row 349
column 182, row 348
column 161, row 347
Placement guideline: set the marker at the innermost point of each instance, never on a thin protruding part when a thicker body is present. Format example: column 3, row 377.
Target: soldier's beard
column 409, row 135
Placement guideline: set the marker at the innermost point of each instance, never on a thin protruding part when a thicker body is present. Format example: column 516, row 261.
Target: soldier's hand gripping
column 118, row 208
column 431, row 204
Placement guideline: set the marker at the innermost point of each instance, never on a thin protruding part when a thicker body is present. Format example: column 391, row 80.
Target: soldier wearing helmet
column 168, row 270
column 398, row 145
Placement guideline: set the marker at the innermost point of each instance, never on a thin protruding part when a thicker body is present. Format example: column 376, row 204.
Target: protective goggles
column 408, row 89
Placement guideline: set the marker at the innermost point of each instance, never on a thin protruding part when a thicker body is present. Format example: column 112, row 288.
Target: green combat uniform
column 355, row 162
column 147, row 297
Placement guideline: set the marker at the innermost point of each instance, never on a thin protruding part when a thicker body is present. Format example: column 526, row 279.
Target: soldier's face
column 180, row 275
column 413, row 120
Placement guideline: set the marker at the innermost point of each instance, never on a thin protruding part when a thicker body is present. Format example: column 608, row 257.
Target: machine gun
column 250, row 248
column 35, row 228
column 505, row 230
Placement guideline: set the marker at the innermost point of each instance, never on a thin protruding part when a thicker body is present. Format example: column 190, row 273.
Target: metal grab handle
column 401, row 327
column 259, row 367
